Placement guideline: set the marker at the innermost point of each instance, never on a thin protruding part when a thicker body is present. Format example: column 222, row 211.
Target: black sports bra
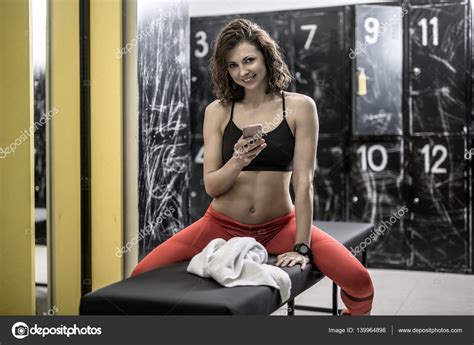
column 276, row 156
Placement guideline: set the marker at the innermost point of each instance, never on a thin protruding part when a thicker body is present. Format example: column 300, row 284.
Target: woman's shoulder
column 217, row 107
column 298, row 99
column 216, row 114
column 301, row 106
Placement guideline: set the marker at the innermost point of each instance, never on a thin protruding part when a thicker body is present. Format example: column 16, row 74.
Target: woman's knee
column 363, row 286
column 137, row 270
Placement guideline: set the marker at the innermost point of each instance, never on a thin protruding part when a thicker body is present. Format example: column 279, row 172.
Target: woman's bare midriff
column 256, row 197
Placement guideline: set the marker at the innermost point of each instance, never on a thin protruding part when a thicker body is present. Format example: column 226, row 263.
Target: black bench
column 171, row 290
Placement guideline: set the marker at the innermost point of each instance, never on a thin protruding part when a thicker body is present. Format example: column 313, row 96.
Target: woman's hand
column 292, row 258
column 245, row 150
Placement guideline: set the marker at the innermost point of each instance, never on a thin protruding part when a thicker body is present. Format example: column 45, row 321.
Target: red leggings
column 278, row 236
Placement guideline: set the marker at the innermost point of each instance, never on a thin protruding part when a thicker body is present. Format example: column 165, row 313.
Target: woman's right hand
column 245, row 150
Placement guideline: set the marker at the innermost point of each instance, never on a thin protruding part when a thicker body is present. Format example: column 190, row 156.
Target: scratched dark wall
column 40, row 155
column 471, row 142
column 164, row 130
column 40, row 138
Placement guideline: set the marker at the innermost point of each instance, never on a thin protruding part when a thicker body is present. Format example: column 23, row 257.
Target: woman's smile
column 249, row 79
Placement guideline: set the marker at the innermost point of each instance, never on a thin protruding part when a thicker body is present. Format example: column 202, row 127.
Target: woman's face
column 246, row 65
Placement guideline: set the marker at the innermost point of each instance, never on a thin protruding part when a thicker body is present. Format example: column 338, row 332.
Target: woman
column 249, row 178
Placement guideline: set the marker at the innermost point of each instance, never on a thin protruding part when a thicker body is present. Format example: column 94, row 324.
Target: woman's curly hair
column 243, row 30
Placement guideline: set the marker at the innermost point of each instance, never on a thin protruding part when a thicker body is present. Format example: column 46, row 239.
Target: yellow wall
column 106, row 145
column 17, row 282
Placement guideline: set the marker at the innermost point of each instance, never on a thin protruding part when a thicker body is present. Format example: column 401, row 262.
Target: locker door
column 377, row 76
column 437, row 68
column 376, row 182
column 321, row 65
column 438, row 203
column 329, row 181
column 203, row 33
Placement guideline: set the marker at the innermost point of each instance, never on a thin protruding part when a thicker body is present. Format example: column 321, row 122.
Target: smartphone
column 251, row 130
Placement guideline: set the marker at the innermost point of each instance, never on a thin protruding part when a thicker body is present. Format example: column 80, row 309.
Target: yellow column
column 17, row 278
column 64, row 202
column 106, row 141
column 130, row 122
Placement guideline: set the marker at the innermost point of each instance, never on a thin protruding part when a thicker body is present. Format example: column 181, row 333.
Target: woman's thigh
column 330, row 256
column 182, row 246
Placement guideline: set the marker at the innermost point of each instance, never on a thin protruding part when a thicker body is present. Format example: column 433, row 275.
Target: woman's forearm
column 304, row 213
column 220, row 181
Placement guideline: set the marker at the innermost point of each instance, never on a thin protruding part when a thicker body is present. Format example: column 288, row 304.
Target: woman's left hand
column 292, row 258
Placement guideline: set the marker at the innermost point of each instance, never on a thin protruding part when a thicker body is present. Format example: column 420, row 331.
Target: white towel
column 239, row 261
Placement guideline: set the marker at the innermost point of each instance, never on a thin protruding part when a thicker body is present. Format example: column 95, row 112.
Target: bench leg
column 291, row 307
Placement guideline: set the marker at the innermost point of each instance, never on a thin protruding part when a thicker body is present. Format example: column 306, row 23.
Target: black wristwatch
column 303, row 249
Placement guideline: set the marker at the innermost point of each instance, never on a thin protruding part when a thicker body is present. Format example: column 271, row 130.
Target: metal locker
column 376, row 196
column 377, row 70
column 322, row 65
column 437, row 227
column 437, row 68
column 330, row 181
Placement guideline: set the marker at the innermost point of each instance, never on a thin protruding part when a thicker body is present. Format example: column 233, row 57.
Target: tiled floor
column 399, row 292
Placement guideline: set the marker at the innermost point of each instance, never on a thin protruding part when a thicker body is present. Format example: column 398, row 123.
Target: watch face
column 303, row 249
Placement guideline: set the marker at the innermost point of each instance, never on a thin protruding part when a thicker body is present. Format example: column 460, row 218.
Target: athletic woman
column 249, row 178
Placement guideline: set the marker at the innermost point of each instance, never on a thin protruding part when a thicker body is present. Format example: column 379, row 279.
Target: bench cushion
column 171, row 290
